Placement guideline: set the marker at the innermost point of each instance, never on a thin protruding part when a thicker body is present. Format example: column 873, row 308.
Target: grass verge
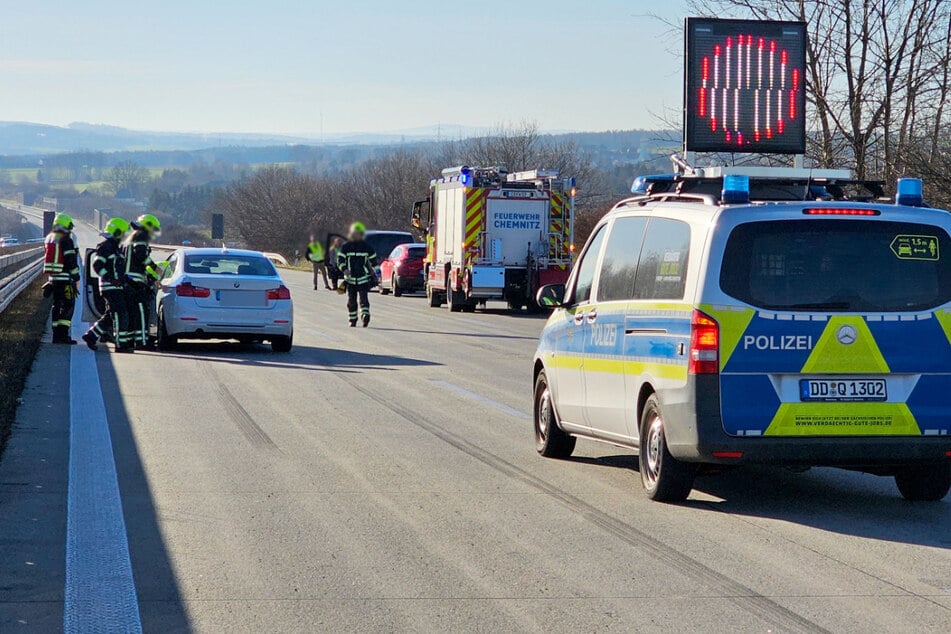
column 21, row 326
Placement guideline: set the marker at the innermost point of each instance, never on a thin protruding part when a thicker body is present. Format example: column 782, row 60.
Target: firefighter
column 315, row 253
column 62, row 266
column 109, row 266
column 141, row 272
column 356, row 260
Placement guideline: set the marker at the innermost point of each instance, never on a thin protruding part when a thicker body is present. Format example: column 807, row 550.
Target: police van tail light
column 281, row 292
column 185, row 289
column 704, row 344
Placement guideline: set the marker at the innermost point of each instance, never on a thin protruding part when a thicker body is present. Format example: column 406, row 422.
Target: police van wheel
column 924, row 483
column 665, row 478
column 550, row 440
column 164, row 341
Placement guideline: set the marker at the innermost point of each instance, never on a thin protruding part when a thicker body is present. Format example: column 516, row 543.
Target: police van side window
column 619, row 265
column 587, row 268
column 662, row 268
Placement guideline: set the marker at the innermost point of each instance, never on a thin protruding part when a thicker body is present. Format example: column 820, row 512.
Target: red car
column 402, row 271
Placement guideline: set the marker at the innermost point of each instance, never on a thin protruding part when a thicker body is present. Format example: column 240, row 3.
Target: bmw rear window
column 838, row 265
column 229, row 265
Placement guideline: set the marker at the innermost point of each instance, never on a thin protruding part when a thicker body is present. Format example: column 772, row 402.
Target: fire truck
column 495, row 235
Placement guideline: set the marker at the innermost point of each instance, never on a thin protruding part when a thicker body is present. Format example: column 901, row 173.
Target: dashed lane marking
column 502, row 407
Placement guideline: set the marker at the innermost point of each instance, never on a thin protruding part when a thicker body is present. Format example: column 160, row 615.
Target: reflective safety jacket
column 315, row 252
column 109, row 265
column 357, row 258
column 138, row 257
column 61, row 263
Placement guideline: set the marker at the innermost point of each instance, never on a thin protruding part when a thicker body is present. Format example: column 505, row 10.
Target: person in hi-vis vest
column 315, row 253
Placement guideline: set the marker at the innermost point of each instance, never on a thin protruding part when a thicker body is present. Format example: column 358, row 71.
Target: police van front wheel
column 665, row 478
column 550, row 440
column 924, row 483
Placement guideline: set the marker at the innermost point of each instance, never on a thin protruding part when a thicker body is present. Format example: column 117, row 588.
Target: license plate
column 242, row 299
column 843, row 390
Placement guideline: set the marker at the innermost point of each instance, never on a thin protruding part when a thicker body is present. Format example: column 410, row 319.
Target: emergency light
column 909, row 192
column 465, row 177
column 736, row 189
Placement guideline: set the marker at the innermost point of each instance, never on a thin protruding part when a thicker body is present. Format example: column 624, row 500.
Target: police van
column 735, row 316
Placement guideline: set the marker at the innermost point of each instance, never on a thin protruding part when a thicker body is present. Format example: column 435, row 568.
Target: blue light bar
column 736, row 189
column 910, row 192
column 465, row 176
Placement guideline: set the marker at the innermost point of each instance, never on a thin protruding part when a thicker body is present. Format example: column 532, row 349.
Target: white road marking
column 100, row 591
column 502, row 407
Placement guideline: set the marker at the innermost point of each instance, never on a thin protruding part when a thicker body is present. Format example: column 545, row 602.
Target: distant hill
column 34, row 139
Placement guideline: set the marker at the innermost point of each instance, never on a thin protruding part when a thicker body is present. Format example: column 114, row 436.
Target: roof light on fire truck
column 909, row 192
column 736, row 189
column 574, row 192
column 465, row 176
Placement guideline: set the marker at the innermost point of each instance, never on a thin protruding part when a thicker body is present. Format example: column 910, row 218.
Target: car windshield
column 384, row 243
column 227, row 264
column 838, row 266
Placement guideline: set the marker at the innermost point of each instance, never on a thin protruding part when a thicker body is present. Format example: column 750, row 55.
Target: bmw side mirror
column 551, row 296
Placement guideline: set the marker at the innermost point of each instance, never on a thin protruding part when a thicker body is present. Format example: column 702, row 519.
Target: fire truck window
column 662, row 269
column 620, row 259
column 587, row 268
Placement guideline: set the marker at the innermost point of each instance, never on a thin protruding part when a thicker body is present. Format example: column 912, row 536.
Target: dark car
column 402, row 271
column 383, row 242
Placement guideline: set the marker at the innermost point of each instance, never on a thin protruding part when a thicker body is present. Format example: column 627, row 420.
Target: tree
column 128, row 176
column 274, row 209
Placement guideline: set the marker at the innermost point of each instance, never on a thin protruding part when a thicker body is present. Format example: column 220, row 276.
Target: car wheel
column 164, row 341
column 924, row 483
column 397, row 291
column 550, row 440
column 665, row 478
column 282, row 344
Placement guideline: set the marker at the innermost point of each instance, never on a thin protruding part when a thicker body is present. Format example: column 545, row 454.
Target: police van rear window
column 838, row 266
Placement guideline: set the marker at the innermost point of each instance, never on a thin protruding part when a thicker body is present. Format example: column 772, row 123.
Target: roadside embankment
column 21, row 327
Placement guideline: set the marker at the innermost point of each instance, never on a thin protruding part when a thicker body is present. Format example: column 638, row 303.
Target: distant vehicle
column 35, row 241
column 402, row 271
column 223, row 294
column 383, row 242
column 495, row 236
column 9, row 242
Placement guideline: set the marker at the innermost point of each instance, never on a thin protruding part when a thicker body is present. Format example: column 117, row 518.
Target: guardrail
column 22, row 275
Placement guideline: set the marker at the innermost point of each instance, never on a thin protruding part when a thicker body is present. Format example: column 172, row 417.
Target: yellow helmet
column 63, row 221
column 115, row 228
column 150, row 223
column 357, row 230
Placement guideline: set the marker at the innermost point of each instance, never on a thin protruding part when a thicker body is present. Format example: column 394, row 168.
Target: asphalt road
column 384, row 479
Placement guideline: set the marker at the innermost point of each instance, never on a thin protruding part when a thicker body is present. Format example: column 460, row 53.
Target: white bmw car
column 223, row 294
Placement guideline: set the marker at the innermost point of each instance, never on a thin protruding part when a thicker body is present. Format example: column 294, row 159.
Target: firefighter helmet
column 150, row 223
column 115, row 228
column 63, row 221
column 357, row 230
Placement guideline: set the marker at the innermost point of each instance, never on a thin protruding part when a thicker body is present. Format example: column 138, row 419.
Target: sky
column 315, row 66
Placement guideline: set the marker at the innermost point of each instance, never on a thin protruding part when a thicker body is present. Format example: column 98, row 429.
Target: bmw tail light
column 704, row 344
column 281, row 292
column 185, row 289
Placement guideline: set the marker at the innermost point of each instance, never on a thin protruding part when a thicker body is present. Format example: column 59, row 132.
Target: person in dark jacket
column 141, row 273
column 62, row 266
column 357, row 260
column 109, row 266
